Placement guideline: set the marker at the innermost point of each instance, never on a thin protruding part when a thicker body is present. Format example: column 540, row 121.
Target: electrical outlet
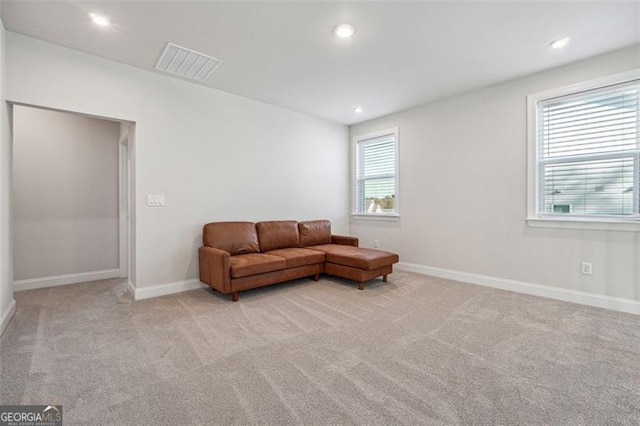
column 376, row 243
column 586, row 268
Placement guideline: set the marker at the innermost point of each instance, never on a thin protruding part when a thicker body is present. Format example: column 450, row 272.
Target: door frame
column 123, row 203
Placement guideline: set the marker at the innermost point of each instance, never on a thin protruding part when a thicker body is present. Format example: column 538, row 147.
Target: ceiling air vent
column 186, row 63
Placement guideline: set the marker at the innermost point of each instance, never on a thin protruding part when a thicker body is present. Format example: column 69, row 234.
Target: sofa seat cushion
column 356, row 257
column 299, row 256
column 244, row 265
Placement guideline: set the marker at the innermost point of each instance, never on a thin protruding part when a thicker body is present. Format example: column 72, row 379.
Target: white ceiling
column 284, row 53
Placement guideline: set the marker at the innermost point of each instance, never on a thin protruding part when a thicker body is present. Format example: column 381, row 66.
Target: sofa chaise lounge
column 238, row 256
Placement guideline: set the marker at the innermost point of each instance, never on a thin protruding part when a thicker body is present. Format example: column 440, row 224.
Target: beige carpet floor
column 416, row 350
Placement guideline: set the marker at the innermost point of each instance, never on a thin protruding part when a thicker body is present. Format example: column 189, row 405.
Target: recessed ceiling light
column 99, row 20
column 560, row 43
column 358, row 110
column 344, row 30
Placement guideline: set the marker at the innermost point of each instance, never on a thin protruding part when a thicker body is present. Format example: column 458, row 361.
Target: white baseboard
column 164, row 289
column 33, row 283
column 7, row 315
column 575, row 296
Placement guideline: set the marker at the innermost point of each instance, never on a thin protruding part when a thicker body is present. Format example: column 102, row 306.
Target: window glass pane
column 379, row 158
column 379, row 195
column 599, row 121
column 603, row 187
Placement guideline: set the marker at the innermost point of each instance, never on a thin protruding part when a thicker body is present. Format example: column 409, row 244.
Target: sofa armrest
column 344, row 240
column 215, row 268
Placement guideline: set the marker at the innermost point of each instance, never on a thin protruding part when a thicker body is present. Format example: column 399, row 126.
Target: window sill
column 383, row 217
column 584, row 223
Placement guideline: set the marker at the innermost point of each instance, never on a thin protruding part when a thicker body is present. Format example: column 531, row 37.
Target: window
column 376, row 174
column 585, row 155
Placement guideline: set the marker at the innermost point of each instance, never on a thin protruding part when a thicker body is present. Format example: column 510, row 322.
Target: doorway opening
column 72, row 198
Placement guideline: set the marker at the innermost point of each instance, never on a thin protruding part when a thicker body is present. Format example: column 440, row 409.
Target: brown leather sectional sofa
column 238, row 256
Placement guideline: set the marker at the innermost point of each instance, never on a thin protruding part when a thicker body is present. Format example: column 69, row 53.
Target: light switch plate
column 155, row 200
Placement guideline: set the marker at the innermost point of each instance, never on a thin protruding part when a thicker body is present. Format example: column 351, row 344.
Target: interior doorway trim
column 123, row 199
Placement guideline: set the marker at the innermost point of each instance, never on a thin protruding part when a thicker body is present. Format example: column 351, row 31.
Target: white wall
column 214, row 155
column 65, row 193
column 7, row 304
column 463, row 170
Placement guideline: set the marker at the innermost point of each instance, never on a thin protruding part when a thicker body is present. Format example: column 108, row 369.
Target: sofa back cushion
column 314, row 232
column 232, row 237
column 277, row 234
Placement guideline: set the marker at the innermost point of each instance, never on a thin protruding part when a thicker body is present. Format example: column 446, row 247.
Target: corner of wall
column 7, row 302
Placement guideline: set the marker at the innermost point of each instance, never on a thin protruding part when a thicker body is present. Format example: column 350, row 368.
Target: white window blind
column 588, row 153
column 375, row 175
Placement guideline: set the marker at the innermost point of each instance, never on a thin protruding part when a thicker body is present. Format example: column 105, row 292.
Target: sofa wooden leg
column 316, row 277
column 384, row 278
column 234, row 296
column 361, row 285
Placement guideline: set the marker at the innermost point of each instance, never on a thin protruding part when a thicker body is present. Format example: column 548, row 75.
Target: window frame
column 391, row 216
column 549, row 220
